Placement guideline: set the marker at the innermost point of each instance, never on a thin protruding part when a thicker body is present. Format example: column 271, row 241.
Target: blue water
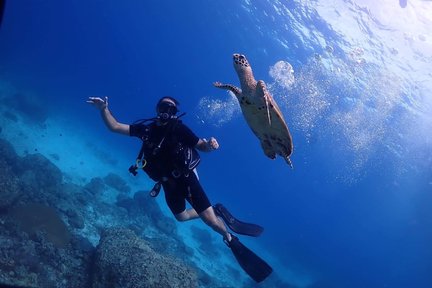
column 356, row 211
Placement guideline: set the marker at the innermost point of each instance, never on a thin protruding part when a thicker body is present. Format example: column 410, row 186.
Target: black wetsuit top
column 185, row 187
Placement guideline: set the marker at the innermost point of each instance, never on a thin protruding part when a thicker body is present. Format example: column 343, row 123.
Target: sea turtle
column 260, row 111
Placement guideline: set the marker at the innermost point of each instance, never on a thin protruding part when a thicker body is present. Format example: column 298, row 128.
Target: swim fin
column 251, row 263
column 236, row 225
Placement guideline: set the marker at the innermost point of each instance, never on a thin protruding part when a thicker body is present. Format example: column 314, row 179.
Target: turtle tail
column 289, row 162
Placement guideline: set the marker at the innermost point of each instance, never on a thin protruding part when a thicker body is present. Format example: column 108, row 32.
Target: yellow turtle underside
column 268, row 125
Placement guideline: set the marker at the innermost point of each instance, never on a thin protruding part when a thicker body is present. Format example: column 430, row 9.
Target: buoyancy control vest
column 164, row 155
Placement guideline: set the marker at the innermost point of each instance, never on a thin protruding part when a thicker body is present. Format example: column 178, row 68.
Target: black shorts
column 177, row 190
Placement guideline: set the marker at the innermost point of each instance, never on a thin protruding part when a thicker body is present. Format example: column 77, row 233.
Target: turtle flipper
column 262, row 91
column 230, row 87
column 268, row 150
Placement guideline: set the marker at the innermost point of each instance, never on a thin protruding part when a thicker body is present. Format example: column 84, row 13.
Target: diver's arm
column 112, row 124
column 109, row 120
column 207, row 145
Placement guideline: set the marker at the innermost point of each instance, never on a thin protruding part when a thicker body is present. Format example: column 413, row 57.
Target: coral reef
column 40, row 179
column 33, row 261
column 49, row 229
column 124, row 260
column 116, row 182
column 10, row 188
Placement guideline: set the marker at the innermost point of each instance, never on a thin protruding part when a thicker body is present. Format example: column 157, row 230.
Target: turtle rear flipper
column 268, row 149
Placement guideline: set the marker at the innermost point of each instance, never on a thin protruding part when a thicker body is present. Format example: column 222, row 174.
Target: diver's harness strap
column 141, row 162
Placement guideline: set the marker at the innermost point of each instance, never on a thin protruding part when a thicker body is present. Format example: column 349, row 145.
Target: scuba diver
column 168, row 156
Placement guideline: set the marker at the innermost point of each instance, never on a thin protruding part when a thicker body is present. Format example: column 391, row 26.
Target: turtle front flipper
column 261, row 90
column 230, row 87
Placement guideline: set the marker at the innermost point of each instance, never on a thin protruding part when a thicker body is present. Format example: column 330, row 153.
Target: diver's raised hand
column 212, row 144
column 98, row 102
column 207, row 145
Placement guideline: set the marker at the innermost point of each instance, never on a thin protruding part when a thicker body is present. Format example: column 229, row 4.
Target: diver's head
column 166, row 108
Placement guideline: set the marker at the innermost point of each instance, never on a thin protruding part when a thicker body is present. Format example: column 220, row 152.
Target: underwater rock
column 124, row 260
column 77, row 222
column 28, row 105
column 142, row 198
column 147, row 204
column 96, row 186
column 143, row 209
column 116, row 182
column 7, row 152
column 141, row 204
column 10, row 191
column 127, row 203
column 72, row 196
column 82, row 244
column 39, row 177
column 74, row 219
column 120, row 197
column 43, row 166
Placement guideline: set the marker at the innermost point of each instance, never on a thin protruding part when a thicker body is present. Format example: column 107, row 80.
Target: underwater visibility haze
column 351, row 77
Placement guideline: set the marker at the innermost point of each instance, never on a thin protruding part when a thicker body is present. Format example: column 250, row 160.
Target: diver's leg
column 176, row 201
column 209, row 217
column 202, row 206
column 186, row 215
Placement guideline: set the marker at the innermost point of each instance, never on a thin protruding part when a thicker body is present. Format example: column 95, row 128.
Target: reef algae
column 34, row 218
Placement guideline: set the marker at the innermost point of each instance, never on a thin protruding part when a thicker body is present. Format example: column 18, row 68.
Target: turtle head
column 240, row 62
